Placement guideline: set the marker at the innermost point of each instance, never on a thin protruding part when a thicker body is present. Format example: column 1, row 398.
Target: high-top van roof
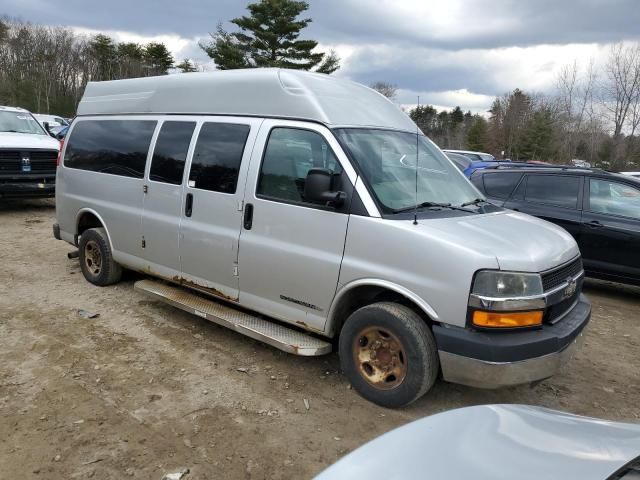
column 268, row 92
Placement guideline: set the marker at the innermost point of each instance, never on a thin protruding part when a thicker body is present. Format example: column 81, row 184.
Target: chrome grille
column 556, row 277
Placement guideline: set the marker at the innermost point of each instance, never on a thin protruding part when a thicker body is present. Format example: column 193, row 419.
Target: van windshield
column 387, row 160
column 19, row 122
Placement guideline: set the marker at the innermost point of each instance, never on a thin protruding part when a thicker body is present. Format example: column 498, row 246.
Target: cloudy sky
column 449, row 52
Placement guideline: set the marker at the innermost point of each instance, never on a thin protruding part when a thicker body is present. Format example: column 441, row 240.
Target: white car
column 475, row 156
column 28, row 155
column 55, row 123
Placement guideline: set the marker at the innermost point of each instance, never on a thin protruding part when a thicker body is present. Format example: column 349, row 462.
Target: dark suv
column 600, row 209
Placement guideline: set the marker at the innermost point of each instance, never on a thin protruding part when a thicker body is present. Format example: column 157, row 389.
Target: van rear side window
column 118, row 147
column 170, row 153
column 217, row 157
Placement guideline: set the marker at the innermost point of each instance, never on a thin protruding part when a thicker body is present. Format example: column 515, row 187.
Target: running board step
column 274, row 334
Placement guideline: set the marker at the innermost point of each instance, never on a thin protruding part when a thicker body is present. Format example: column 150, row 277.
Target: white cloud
column 445, row 78
column 470, row 78
column 445, row 100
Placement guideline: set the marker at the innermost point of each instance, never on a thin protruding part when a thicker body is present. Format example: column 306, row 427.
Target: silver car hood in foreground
column 519, row 242
column 491, row 442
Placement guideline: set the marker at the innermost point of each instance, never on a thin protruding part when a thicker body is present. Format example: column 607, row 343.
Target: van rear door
column 212, row 204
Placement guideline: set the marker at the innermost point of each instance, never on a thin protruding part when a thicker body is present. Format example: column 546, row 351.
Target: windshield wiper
column 432, row 205
column 475, row 201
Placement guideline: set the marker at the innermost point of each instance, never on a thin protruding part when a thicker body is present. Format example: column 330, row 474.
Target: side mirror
column 47, row 127
column 318, row 188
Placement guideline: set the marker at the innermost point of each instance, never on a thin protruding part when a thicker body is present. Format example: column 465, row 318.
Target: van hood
column 27, row 140
column 518, row 241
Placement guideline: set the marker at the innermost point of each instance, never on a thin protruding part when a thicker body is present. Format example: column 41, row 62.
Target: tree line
column 593, row 114
column 45, row 69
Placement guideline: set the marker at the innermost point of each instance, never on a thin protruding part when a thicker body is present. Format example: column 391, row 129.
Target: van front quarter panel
column 422, row 260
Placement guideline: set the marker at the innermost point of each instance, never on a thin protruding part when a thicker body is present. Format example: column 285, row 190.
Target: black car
column 600, row 209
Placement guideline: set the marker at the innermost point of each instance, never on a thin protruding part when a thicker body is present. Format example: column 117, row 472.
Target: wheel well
column 362, row 296
column 86, row 221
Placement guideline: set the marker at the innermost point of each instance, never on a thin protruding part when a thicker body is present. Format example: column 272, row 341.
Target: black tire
column 96, row 259
column 406, row 376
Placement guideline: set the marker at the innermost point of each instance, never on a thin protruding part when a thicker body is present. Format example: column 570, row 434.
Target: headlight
column 499, row 299
column 496, row 284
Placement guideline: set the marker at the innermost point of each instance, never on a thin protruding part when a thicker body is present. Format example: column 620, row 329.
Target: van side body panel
column 289, row 260
column 424, row 261
column 117, row 200
column 209, row 237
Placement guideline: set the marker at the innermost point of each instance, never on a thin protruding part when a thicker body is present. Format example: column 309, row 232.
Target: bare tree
column 622, row 84
column 575, row 102
column 387, row 89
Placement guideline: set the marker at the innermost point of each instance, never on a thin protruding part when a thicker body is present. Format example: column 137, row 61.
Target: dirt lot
column 145, row 389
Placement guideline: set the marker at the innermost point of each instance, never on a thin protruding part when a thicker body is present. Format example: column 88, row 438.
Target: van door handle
column 594, row 224
column 188, row 205
column 248, row 216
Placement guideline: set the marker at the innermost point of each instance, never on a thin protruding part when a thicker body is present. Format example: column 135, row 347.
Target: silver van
column 309, row 212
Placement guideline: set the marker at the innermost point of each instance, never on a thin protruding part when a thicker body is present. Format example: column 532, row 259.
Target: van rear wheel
column 389, row 354
column 96, row 259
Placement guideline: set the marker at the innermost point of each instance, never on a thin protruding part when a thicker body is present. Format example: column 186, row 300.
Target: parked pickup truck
column 28, row 155
column 297, row 208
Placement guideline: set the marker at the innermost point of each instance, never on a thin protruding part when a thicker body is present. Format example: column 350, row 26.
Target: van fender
column 99, row 217
column 375, row 282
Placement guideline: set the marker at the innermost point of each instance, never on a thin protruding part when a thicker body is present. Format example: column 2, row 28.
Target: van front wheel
column 389, row 354
column 96, row 259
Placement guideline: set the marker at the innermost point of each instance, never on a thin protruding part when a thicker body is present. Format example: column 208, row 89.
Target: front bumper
column 498, row 359
column 28, row 187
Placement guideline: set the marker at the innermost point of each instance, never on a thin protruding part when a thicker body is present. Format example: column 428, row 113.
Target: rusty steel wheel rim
column 93, row 257
column 380, row 358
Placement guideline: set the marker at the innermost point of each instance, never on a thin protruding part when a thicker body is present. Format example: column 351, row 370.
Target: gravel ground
column 145, row 389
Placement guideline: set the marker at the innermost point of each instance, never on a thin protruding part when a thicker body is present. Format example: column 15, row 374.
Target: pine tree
column 103, row 50
column 425, row 117
column 538, row 135
column 269, row 37
column 130, row 58
column 477, row 135
column 158, row 58
column 186, row 66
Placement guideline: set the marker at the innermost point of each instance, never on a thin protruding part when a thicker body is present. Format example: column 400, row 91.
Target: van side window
column 559, row 190
column 118, row 147
column 170, row 152
column 289, row 155
column 217, row 157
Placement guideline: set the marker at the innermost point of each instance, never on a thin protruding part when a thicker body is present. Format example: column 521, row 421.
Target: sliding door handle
column 248, row 216
column 188, row 205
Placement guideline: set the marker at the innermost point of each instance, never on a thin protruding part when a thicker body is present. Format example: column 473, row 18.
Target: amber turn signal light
column 507, row 319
